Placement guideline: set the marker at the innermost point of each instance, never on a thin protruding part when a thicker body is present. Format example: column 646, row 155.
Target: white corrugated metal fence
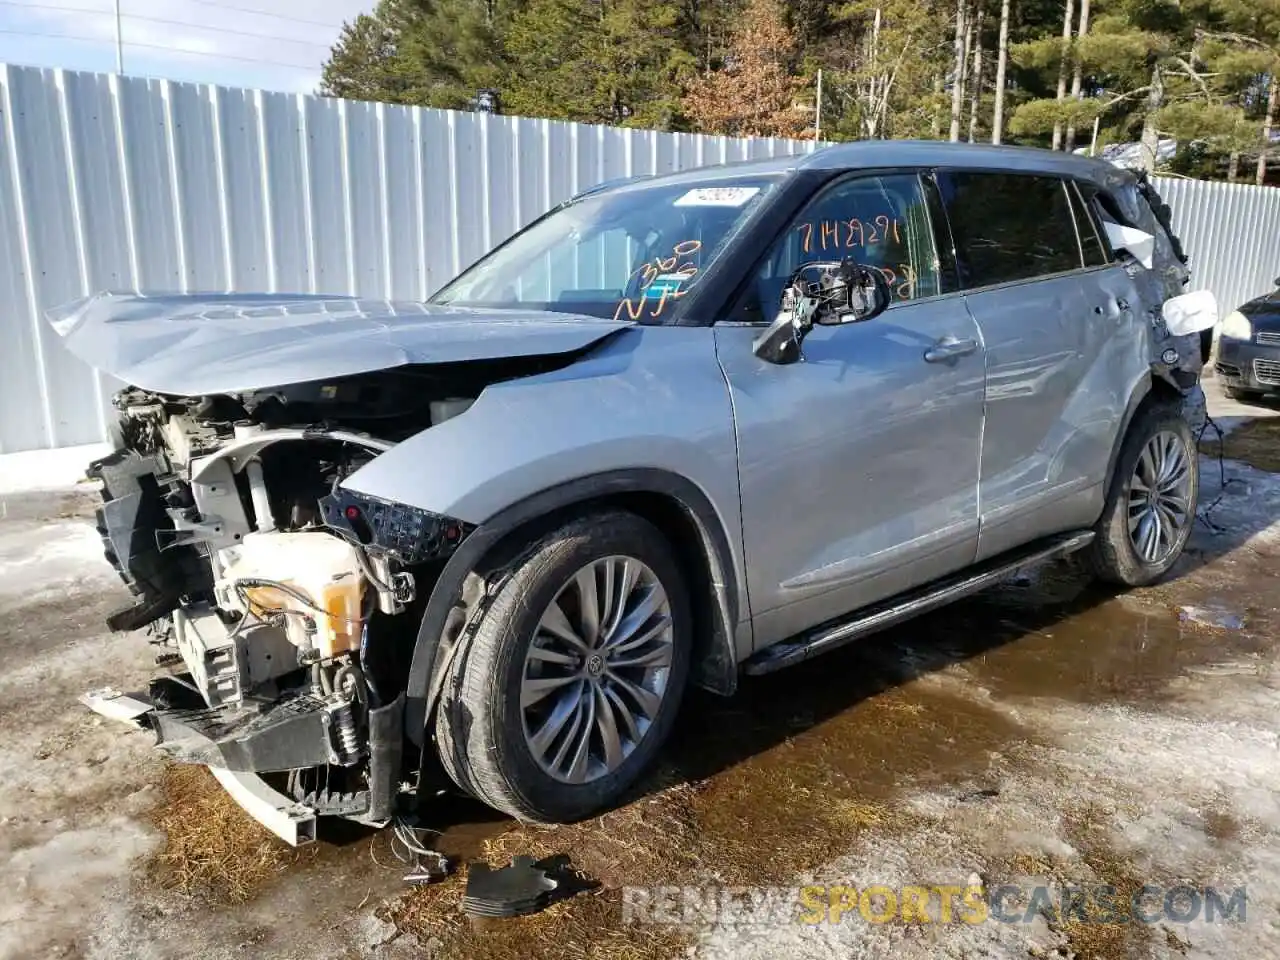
column 111, row 182
column 118, row 182
column 1231, row 232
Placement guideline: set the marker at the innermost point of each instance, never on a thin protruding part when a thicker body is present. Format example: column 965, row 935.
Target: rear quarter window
column 1093, row 244
column 1009, row 226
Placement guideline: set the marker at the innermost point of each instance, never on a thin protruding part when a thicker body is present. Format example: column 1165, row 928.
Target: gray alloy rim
column 597, row 669
column 1160, row 497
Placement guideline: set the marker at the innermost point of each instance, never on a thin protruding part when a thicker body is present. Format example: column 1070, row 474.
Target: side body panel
column 1063, row 354
column 859, row 464
column 650, row 398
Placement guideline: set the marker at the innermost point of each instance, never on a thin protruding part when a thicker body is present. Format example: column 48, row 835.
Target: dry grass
column 1257, row 443
column 586, row 927
column 750, row 826
column 1093, row 938
column 212, row 849
column 1091, row 929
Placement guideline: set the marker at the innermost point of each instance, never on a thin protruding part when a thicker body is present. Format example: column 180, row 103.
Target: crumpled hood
column 193, row 344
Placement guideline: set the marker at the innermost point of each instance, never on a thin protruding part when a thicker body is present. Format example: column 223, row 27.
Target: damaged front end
column 275, row 597
column 284, row 607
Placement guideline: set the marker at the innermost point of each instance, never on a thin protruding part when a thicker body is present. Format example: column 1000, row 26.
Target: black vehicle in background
column 1249, row 348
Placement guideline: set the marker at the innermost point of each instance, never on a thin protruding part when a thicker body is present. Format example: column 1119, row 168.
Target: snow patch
column 59, row 469
column 63, row 557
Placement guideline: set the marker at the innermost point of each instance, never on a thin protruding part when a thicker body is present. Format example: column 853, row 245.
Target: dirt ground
column 1048, row 733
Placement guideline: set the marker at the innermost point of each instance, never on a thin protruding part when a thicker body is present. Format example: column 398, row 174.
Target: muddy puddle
column 792, row 771
column 790, row 774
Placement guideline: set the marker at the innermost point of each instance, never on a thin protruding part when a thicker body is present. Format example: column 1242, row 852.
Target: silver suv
column 677, row 429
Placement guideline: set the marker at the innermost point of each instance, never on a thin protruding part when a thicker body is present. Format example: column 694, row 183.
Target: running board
column 895, row 611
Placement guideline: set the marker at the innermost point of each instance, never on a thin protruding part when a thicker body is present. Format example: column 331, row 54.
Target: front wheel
column 574, row 674
column 1151, row 500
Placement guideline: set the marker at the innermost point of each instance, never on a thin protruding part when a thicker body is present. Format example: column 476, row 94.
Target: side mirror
column 1276, row 281
column 844, row 292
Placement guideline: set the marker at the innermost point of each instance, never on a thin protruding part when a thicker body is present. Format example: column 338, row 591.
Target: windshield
column 629, row 253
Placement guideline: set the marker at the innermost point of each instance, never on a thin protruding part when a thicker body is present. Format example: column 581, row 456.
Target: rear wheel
column 1151, row 501
column 574, row 674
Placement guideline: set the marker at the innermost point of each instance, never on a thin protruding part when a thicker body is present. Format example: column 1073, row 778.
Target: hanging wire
column 408, row 845
column 224, row 7
column 177, row 51
column 1203, row 515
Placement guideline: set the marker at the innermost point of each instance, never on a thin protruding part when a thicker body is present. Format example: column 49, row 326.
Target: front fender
column 653, row 397
column 648, row 412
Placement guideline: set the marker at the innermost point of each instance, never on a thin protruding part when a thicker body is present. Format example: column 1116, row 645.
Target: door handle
column 948, row 348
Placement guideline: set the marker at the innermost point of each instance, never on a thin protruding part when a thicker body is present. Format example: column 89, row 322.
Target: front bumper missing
column 292, row 822
column 237, row 745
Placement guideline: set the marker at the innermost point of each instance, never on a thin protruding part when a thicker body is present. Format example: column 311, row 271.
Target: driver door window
column 879, row 221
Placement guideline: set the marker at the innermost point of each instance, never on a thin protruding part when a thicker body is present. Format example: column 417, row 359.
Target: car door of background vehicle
column 1020, row 260
column 859, row 464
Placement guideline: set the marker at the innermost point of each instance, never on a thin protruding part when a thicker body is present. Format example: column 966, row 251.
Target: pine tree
column 620, row 62
column 426, row 52
column 361, row 64
column 1205, row 72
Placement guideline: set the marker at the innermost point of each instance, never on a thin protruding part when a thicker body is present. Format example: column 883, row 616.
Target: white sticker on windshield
column 717, row 196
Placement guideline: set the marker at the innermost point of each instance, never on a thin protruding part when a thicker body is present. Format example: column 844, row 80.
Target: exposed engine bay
column 281, row 603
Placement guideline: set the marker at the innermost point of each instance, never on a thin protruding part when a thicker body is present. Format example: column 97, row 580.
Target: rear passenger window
column 1009, row 226
column 1095, row 255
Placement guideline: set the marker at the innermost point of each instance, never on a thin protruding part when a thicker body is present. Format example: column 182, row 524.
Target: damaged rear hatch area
column 286, row 607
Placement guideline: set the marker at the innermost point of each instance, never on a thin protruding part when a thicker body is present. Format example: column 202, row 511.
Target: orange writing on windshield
column 845, row 234
column 679, row 267
column 679, row 262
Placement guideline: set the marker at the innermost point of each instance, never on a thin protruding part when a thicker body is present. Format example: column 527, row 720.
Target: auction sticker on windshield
column 717, row 196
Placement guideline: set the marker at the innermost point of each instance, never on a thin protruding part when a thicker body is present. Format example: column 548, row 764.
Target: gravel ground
column 1045, row 734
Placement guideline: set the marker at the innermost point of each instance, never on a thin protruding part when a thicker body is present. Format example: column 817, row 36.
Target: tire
column 485, row 734
column 1113, row 556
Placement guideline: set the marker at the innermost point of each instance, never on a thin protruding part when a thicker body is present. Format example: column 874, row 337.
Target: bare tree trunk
column 876, row 79
column 976, row 86
column 1151, row 133
column 1273, row 96
column 1077, row 75
column 935, row 125
column 1233, row 166
column 1068, row 21
column 957, row 84
column 1002, row 62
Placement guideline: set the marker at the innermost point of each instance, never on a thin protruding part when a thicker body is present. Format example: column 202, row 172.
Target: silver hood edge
column 209, row 343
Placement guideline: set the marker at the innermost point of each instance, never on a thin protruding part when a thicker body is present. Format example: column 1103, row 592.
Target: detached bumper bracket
column 292, row 822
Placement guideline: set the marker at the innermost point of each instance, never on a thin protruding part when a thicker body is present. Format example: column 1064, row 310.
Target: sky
column 273, row 44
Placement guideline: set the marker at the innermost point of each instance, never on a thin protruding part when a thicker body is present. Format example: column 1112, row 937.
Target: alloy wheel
column 1160, row 508
column 597, row 670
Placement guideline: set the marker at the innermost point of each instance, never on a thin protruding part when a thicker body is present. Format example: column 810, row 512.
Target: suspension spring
column 344, row 728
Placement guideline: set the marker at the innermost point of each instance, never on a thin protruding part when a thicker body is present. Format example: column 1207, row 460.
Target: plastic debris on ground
column 524, row 887
column 1210, row 617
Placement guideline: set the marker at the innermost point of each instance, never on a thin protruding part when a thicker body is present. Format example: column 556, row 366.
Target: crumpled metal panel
column 128, row 183
column 229, row 343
